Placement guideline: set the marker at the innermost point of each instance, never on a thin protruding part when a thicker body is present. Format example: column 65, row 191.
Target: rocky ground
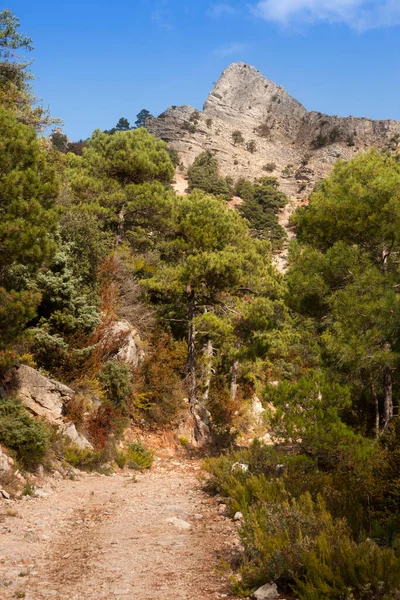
column 152, row 536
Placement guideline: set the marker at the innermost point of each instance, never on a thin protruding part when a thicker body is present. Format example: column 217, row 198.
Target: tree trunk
column 200, row 414
column 377, row 416
column 120, row 236
column 387, row 397
column 208, row 354
column 234, row 374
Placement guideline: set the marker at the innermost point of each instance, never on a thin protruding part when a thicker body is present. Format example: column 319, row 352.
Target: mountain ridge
column 280, row 136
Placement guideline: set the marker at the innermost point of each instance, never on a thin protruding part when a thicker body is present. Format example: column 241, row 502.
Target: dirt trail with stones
column 97, row 537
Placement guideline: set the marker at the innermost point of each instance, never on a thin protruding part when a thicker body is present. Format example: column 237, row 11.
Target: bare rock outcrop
column 124, row 342
column 47, row 399
column 44, row 397
column 6, row 462
column 290, row 143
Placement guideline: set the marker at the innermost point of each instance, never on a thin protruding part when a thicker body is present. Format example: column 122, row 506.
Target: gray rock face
column 294, row 145
column 266, row 592
column 6, row 462
column 243, row 95
column 70, row 431
column 47, row 398
column 42, row 396
column 125, row 341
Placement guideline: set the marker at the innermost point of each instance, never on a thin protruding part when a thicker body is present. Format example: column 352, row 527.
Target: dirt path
column 111, row 538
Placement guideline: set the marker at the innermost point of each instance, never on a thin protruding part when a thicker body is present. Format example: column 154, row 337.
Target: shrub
column 320, row 141
column 116, row 378
column 209, row 123
column 334, row 135
column 251, row 146
column 298, row 544
column 350, row 140
column 264, row 130
column 138, row 457
column 289, row 533
column 269, row 167
column 174, row 156
column 204, row 175
column 19, row 432
column 194, row 117
column 190, row 127
column 108, row 421
column 237, row 137
column 158, row 389
column 85, row 459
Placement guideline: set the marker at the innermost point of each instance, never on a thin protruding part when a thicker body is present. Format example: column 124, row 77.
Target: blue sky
column 98, row 60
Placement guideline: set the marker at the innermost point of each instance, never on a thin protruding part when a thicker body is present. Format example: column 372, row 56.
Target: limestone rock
column 6, row 462
column 46, row 398
column 42, row 396
column 70, row 431
column 238, row 516
column 124, row 340
column 178, row 523
column 266, row 592
column 238, row 466
column 256, row 412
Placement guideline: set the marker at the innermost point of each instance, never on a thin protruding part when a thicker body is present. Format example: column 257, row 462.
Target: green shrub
column 121, row 459
column 158, row 390
column 251, row 146
column 174, row 156
column 264, row 130
column 116, row 378
column 138, row 457
column 237, row 137
column 298, row 544
column 85, row 459
column 305, row 527
column 204, row 175
column 28, row 489
column 19, row 432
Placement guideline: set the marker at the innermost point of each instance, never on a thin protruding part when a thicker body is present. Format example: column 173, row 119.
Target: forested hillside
column 92, row 235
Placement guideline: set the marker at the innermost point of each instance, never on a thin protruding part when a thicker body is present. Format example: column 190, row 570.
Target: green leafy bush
column 116, row 378
column 203, row 175
column 138, row 457
column 290, row 534
column 19, row 432
column 298, row 544
column 85, row 459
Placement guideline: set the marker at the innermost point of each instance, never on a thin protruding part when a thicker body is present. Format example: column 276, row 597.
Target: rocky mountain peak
column 243, row 92
column 278, row 135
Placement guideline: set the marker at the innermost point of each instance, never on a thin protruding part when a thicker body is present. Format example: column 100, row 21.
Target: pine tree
column 141, row 117
column 28, row 190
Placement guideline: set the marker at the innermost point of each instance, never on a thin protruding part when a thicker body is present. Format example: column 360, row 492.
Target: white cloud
column 230, row 49
column 221, row 9
column 359, row 14
column 161, row 15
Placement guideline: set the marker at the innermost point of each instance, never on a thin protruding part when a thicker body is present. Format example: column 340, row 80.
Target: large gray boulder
column 44, row 397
